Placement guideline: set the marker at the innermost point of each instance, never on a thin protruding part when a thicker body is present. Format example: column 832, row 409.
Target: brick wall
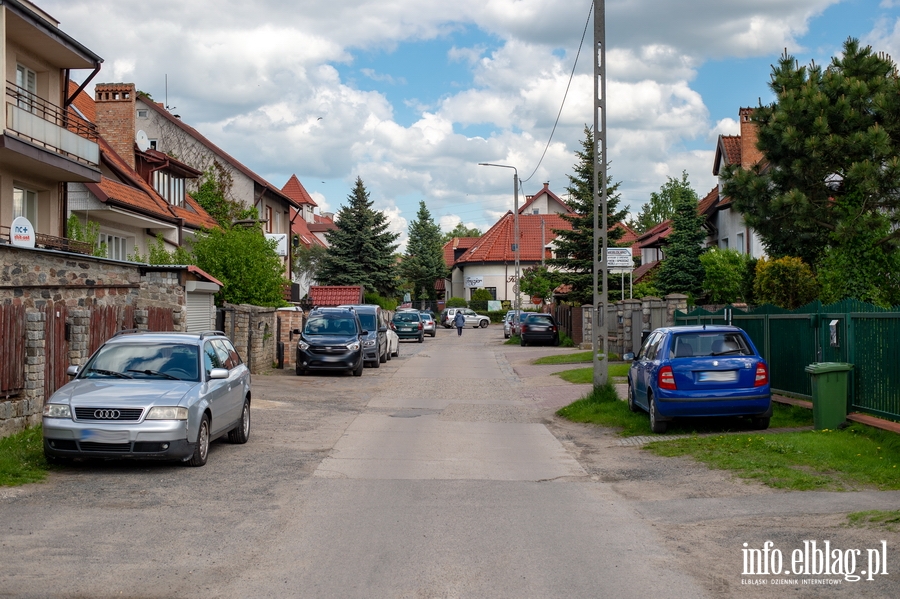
column 291, row 318
column 115, row 117
column 77, row 288
column 252, row 330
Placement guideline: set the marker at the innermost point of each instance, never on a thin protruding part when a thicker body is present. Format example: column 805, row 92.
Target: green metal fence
column 850, row 331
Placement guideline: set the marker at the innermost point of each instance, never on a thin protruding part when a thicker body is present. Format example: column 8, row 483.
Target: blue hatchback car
column 691, row 371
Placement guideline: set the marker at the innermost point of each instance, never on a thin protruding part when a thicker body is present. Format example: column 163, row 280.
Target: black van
column 375, row 344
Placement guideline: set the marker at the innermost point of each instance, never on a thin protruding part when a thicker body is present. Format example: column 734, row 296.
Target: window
column 268, row 219
column 26, row 79
column 153, row 144
column 25, row 203
column 116, row 247
column 142, row 113
column 739, row 243
column 278, row 222
column 724, row 244
column 169, row 187
column 493, row 292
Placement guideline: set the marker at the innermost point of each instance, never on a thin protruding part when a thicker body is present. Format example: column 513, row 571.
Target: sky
column 411, row 95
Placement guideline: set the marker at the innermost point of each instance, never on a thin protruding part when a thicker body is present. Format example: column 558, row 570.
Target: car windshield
column 367, row 321
column 174, row 361
column 540, row 319
column 330, row 325
column 406, row 317
column 689, row 345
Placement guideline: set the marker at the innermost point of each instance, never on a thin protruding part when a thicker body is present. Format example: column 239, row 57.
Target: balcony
column 48, row 126
column 49, row 242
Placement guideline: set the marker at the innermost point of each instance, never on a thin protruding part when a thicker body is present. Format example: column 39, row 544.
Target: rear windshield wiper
column 156, row 373
column 728, row 351
column 121, row 375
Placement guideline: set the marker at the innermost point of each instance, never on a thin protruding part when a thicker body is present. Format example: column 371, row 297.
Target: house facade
column 42, row 146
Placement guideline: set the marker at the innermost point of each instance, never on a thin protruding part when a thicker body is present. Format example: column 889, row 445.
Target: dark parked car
column 332, row 339
column 692, row 371
column 151, row 395
column 375, row 344
column 539, row 328
column 408, row 325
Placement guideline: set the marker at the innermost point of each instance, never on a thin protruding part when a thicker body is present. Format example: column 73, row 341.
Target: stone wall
column 252, row 330
column 291, row 318
column 51, row 284
column 627, row 321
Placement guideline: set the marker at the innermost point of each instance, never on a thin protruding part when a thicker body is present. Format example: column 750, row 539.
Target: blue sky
column 414, row 93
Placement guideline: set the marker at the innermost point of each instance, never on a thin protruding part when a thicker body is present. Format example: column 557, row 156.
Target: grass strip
column 882, row 519
column 609, row 411
column 586, row 375
column 855, row 458
column 22, row 458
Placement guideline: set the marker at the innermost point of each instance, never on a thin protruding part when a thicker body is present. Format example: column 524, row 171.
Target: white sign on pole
column 474, row 282
column 280, row 242
column 619, row 258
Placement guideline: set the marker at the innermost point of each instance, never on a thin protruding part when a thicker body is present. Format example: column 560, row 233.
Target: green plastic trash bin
column 829, row 393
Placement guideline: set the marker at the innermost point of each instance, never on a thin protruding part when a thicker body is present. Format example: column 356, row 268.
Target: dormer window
column 169, row 187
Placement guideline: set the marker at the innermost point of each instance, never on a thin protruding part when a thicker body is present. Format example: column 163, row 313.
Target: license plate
column 407, row 329
column 718, row 376
column 100, row 436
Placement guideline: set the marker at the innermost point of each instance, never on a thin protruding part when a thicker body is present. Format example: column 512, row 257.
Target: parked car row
column 473, row 319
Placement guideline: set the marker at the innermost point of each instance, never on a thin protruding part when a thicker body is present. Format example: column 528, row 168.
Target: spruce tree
column 424, row 259
column 682, row 271
column 361, row 248
column 575, row 247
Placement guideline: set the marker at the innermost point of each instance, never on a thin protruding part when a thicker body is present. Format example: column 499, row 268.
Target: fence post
column 674, row 301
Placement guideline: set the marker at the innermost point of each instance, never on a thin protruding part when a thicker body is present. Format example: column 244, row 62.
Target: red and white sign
column 21, row 233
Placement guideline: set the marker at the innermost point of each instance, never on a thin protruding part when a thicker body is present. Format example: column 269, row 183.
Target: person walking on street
column 460, row 322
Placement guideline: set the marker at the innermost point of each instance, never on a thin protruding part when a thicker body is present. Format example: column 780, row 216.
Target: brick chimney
column 750, row 156
column 115, row 104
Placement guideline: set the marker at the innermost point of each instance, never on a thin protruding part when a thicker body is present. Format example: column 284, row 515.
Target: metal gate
column 12, row 349
column 56, row 347
column 160, row 319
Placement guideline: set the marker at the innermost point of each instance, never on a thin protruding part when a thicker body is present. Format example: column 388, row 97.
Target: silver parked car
column 428, row 323
column 151, row 395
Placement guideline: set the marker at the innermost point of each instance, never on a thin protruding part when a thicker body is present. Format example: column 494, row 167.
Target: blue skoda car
column 693, row 371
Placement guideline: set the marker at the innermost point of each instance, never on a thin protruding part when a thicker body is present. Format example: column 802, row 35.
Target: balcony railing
column 50, row 242
column 48, row 125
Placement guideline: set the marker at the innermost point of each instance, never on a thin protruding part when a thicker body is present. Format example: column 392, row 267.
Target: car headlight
column 56, row 410
column 167, row 413
column 302, row 345
column 369, row 343
column 353, row 346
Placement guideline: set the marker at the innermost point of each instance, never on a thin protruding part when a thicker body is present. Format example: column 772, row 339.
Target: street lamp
column 515, row 225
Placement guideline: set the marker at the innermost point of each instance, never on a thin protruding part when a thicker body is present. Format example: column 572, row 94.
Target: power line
column 565, row 95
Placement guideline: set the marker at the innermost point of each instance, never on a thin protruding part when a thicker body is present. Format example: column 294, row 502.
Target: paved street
column 441, row 474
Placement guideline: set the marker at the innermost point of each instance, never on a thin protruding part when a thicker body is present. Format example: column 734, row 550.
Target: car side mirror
column 218, row 373
column 72, row 370
column 363, row 333
column 629, row 357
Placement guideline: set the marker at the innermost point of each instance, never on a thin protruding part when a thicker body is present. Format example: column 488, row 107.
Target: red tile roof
column 84, row 103
column 638, row 273
column 335, row 295
column 454, row 244
column 295, row 190
column 496, row 244
column 728, row 150
column 628, row 239
column 708, row 204
column 656, row 236
column 300, row 228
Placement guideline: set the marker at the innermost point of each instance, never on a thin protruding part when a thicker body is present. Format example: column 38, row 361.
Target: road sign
column 619, row 258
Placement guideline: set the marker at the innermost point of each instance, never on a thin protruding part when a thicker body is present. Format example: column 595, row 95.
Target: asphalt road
column 433, row 476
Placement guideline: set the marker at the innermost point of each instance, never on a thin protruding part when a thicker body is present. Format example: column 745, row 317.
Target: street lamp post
column 515, row 226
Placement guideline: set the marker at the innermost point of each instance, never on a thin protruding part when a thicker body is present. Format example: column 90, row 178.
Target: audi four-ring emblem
column 107, row 414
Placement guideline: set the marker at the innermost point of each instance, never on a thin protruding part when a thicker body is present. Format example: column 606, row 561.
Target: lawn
column 22, row 458
column 586, row 375
column 581, row 357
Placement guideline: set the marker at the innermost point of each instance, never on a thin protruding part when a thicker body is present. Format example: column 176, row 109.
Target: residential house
column 126, row 117
column 301, row 235
column 42, row 145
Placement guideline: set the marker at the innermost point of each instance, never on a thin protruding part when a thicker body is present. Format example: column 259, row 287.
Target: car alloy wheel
column 631, row 405
column 201, row 449
column 656, row 425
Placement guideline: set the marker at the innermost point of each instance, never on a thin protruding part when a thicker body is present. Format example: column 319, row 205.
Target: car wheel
column 422, row 338
column 433, row 333
column 556, row 341
column 397, row 353
column 299, row 371
column 483, row 324
column 631, row 405
column 359, row 369
column 383, row 357
column 656, row 425
column 522, row 341
column 388, row 354
column 505, row 336
column 201, row 449
column 760, row 424
column 241, row 432
column 377, row 363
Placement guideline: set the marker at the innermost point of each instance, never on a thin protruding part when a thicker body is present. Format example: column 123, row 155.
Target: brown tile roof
column 300, row 228
column 157, row 107
column 656, row 236
column 728, row 150
column 628, row 239
column 708, row 204
column 295, row 190
column 335, row 295
column 454, row 244
column 84, row 103
column 638, row 273
column 496, row 244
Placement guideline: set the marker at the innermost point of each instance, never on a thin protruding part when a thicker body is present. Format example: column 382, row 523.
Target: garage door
column 201, row 312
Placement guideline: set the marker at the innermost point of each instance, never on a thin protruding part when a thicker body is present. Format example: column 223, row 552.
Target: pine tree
column 575, row 247
column 826, row 191
column 361, row 248
column 682, row 271
column 424, row 259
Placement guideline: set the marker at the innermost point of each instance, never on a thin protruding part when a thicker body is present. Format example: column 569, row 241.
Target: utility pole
column 515, row 243
column 599, row 324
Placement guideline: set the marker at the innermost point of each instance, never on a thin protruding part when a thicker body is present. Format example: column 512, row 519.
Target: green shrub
column 724, row 274
column 385, row 303
column 481, row 295
column 497, row 317
column 457, row 302
column 786, row 282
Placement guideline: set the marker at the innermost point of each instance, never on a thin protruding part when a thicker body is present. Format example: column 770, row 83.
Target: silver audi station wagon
column 151, row 395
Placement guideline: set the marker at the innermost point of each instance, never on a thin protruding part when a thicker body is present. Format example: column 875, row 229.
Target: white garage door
column 201, row 312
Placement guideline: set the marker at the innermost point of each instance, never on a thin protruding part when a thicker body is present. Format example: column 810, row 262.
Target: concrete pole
column 599, row 325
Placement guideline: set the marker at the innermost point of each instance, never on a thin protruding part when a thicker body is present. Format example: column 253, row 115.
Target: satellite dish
column 143, row 142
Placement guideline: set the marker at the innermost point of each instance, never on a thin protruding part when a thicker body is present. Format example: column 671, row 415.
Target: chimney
column 750, row 156
column 115, row 104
